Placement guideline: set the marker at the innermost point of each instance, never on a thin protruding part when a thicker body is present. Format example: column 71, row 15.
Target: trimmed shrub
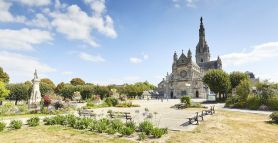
column 272, row 103
column 127, row 131
column 117, row 124
column 186, row 100
column 146, row 127
column 2, row 126
column 111, row 101
column 16, row 124
column 131, row 124
column 274, row 117
column 253, row 102
column 158, row 132
column 142, row 136
column 32, row 122
column 83, row 123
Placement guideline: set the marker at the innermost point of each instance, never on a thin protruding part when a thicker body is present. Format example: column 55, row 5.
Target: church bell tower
column 202, row 49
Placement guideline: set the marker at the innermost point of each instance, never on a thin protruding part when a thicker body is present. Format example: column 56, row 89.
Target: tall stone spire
column 201, row 30
column 202, row 49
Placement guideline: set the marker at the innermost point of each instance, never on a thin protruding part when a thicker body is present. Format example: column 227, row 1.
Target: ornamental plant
column 16, row 124
column 32, row 122
column 2, row 126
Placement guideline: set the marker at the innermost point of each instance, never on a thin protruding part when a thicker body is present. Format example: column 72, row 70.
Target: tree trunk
column 16, row 102
column 1, row 102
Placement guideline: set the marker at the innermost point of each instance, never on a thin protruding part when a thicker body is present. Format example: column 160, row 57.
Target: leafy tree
column 4, row 92
column 46, row 89
column 86, row 91
column 67, row 91
column 103, row 91
column 218, row 81
column 18, row 92
column 77, row 81
column 237, row 77
column 4, row 77
column 49, row 82
column 243, row 89
column 59, row 87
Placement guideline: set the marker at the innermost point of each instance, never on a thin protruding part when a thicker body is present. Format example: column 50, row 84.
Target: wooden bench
column 86, row 113
column 125, row 115
column 210, row 111
column 181, row 106
column 194, row 119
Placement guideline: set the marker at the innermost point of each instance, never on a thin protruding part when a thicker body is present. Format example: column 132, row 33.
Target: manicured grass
column 21, row 116
column 230, row 127
column 52, row 134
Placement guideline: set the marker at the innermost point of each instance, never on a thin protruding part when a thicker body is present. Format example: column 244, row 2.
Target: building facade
column 186, row 76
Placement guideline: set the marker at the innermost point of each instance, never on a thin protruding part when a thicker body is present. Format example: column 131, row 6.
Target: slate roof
column 209, row 65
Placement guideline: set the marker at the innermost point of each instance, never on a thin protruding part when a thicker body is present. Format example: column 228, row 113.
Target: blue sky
column 125, row 41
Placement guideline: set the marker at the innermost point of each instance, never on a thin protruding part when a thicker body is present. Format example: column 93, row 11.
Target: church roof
column 210, row 65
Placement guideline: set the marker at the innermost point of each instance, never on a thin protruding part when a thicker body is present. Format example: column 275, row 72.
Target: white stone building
column 186, row 76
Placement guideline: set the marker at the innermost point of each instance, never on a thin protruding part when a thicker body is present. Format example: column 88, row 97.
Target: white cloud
column 40, row 20
column 258, row 53
column 22, row 67
column 119, row 80
column 135, row 60
column 77, row 24
column 34, row 2
column 188, row 3
column 91, row 58
column 23, row 39
column 191, row 3
column 6, row 15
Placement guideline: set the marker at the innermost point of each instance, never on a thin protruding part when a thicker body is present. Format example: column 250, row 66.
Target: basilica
column 186, row 76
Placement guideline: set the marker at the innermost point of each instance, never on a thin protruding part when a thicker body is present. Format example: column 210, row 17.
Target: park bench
column 193, row 119
column 181, row 106
column 125, row 115
column 210, row 111
column 86, row 113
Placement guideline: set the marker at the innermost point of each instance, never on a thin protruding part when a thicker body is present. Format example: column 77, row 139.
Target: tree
column 4, row 77
column 243, row 89
column 49, row 82
column 67, row 91
column 4, row 92
column 18, row 92
column 218, row 81
column 77, row 81
column 86, row 91
column 59, row 87
column 46, row 89
column 103, row 91
column 237, row 77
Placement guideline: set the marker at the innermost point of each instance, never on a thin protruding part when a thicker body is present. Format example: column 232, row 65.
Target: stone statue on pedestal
column 35, row 94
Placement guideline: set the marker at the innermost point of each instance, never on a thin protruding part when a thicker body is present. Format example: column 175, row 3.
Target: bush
column 111, row 131
column 253, row 102
column 71, row 120
column 16, row 124
column 231, row 101
column 186, row 100
column 102, row 125
column 146, row 127
column 58, row 105
column 158, row 132
column 83, row 123
column 127, row 104
column 111, row 101
column 274, row 117
column 35, row 121
column 46, row 101
column 142, row 136
column 2, row 126
column 127, row 131
column 131, row 124
column 272, row 103
column 117, row 124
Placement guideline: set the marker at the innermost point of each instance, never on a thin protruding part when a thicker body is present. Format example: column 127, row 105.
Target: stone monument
column 35, row 94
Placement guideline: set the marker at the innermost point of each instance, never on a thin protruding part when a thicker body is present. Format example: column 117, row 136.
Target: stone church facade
column 186, row 76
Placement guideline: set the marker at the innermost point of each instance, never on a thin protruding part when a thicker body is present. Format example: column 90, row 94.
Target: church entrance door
column 197, row 94
column 172, row 95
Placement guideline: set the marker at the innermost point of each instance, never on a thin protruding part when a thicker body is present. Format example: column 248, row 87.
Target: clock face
column 183, row 74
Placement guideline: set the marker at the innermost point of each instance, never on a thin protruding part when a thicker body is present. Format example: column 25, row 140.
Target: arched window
column 202, row 60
